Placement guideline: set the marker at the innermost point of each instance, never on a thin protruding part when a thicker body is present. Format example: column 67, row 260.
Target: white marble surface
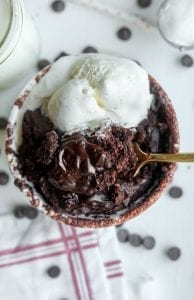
column 149, row 273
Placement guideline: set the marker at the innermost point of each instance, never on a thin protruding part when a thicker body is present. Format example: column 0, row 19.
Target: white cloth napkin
column 90, row 262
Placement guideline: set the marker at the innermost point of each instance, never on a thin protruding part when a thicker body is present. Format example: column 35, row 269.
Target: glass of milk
column 176, row 23
column 19, row 42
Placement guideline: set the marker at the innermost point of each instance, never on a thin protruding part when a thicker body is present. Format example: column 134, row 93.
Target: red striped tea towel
column 89, row 261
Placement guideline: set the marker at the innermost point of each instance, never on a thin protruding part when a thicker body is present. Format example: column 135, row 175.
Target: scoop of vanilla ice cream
column 121, row 87
column 98, row 88
column 74, row 105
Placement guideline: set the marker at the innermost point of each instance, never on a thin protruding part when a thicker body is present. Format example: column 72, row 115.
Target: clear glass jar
column 19, row 42
column 176, row 23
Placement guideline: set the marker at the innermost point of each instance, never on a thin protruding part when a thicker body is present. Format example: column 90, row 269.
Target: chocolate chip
column 124, row 33
column 3, row 123
column 137, row 62
column 149, row 242
column 173, row 253
column 61, row 54
column 144, row 3
column 19, row 212
column 58, row 5
column 175, row 192
column 89, row 49
column 135, row 240
column 42, row 63
column 4, row 178
column 30, row 212
column 187, row 60
column 53, row 271
column 22, row 211
column 119, row 225
column 123, row 235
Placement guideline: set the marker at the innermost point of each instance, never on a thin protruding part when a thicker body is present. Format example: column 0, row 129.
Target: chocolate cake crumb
column 49, row 145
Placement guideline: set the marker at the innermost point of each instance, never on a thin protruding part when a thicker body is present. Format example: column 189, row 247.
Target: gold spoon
column 144, row 158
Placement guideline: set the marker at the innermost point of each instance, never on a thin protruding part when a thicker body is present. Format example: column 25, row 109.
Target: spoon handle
column 166, row 157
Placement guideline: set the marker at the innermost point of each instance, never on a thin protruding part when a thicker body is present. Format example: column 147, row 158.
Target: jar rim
column 14, row 31
column 8, row 6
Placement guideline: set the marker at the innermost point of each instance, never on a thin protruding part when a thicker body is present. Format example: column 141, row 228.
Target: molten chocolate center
column 75, row 165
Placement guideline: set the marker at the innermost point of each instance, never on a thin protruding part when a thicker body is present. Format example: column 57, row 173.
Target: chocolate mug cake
column 73, row 142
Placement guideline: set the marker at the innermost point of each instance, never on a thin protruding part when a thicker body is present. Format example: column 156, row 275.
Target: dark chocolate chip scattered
column 144, row 3
column 174, row 253
column 119, row 225
column 135, row 240
column 137, row 62
column 149, row 242
column 175, row 192
column 19, row 212
column 58, row 5
column 123, row 235
column 61, row 54
column 89, row 49
column 54, row 271
column 30, row 212
column 4, row 178
column 42, row 63
column 22, row 211
column 3, row 123
column 187, row 60
column 124, row 33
